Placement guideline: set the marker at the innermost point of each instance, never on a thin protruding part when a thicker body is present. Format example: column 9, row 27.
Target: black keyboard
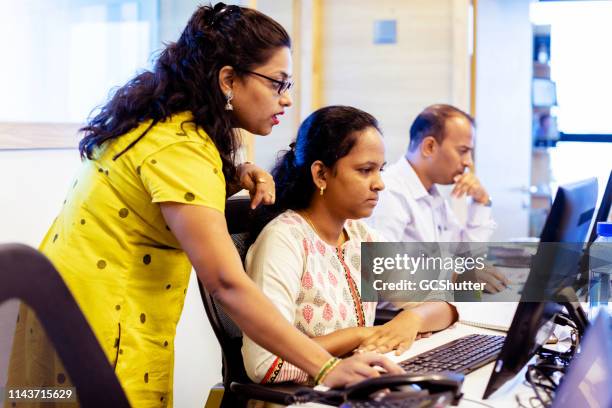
column 463, row 355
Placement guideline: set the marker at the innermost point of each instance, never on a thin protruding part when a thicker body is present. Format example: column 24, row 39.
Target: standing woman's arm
column 202, row 233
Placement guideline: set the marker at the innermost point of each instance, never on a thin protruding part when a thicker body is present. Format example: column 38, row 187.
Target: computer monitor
column 588, row 378
column 602, row 216
column 604, row 209
column 552, row 266
column 557, row 260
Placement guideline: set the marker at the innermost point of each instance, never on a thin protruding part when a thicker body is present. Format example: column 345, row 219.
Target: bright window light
column 581, row 62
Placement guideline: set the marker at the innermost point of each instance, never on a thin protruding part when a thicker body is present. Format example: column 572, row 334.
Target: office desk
column 475, row 382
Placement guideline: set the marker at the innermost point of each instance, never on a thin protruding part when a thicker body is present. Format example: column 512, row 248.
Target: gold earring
column 228, row 101
column 322, row 191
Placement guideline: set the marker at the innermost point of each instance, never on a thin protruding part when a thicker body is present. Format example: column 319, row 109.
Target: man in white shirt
column 411, row 209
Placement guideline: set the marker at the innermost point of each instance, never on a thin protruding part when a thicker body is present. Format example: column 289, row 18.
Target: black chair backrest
column 238, row 216
column 27, row 275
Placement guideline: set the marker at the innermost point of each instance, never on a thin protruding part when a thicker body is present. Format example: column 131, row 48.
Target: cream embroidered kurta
column 314, row 285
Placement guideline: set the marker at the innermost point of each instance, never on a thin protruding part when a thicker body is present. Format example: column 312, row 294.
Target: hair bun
column 220, row 11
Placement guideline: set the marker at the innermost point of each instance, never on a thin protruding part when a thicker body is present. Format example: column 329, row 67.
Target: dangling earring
column 322, row 191
column 228, row 101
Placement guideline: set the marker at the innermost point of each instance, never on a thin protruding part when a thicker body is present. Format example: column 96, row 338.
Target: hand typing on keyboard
column 397, row 334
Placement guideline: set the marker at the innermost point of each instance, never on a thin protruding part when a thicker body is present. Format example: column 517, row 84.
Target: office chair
column 238, row 388
column 27, row 276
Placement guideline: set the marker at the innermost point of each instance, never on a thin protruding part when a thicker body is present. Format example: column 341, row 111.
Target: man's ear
column 227, row 75
column 429, row 146
column 318, row 170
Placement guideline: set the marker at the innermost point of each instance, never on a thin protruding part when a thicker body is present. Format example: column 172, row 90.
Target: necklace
column 309, row 221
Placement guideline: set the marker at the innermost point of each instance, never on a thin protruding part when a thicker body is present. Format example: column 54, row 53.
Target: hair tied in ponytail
column 290, row 157
column 220, row 11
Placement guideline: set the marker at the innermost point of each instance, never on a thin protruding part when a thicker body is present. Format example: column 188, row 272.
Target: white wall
column 394, row 82
column 33, row 184
column 268, row 147
column 503, row 110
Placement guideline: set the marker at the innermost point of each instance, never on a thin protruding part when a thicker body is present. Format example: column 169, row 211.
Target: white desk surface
column 475, row 382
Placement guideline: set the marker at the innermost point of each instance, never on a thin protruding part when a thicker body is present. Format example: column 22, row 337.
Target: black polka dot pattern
column 146, row 259
column 117, row 307
column 168, row 286
column 101, row 264
column 153, row 161
column 61, row 378
column 166, row 343
column 55, row 237
column 124, row 212
column 215, row 171
column 120, row 351
column 189, row 196
column 138, row 170
column 146, row 377
column 143, row 318
column 83, row 221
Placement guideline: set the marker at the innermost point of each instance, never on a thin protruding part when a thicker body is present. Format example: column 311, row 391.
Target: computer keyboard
column 463, row 355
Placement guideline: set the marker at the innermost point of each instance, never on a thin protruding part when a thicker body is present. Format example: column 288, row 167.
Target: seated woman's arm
column 344, row 341
column 399, row 333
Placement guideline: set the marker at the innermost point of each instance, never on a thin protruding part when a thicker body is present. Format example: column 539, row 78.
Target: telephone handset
column 407, row 384
column 400, row 387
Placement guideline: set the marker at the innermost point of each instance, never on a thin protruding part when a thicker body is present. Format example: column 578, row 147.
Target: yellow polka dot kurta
column 119, row 258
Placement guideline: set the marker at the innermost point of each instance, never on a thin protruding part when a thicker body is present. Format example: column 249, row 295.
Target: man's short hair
column 431, row 122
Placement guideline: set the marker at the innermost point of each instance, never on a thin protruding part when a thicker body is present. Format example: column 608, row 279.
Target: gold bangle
column 329, row 370
column 327, row 367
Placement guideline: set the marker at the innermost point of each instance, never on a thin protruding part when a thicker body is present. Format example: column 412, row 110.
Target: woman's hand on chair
column 359, row 367
column 258, row 182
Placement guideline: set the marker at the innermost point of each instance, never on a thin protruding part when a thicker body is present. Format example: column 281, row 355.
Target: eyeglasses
column 281, row 86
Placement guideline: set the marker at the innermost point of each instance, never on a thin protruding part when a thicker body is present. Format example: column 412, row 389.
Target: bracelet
column 326, row 369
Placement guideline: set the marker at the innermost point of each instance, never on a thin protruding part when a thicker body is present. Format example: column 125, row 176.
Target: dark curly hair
column 328, row 135
column 185, row 78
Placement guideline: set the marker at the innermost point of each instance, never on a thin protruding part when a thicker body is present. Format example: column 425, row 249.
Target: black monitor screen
column 602, row 216
column 552, row 266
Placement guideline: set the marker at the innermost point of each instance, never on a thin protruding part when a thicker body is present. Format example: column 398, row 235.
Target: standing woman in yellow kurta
column 149, row 201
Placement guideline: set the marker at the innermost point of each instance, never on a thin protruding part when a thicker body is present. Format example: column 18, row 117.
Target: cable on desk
column 477, row 402
column 538, row 385
column 519, row 402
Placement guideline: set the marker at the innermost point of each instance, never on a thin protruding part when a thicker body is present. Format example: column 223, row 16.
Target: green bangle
column 327, row 367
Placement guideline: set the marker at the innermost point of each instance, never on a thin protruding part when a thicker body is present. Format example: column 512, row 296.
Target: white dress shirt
column 407, row 212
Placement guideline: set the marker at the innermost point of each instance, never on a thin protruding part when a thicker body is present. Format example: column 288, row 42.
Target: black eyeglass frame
column 283, row 86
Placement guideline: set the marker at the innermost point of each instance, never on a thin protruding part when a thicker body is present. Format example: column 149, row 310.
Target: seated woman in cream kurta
column 307, row 259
